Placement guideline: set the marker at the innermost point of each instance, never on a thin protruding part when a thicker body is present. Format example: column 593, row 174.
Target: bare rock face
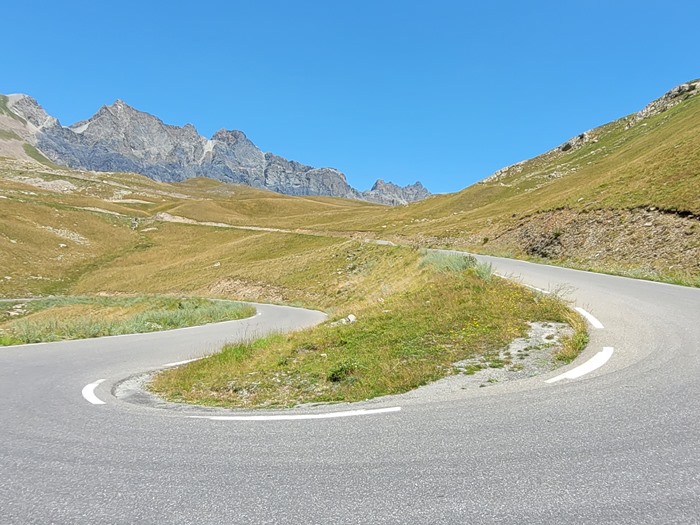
column 298, row 179
column 121, row 138
column 28, row 108
column 393, row 195
column 232, row 157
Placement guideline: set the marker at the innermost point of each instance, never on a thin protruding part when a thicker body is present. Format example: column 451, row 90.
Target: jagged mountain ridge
column 121, row 138
column 390, row 193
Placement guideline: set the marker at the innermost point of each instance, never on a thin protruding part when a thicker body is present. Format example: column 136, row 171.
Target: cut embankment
column 644, row 243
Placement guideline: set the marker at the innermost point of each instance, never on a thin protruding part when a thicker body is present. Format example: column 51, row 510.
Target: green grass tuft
column 448, row 262
column 63, row 318
column 574, row 345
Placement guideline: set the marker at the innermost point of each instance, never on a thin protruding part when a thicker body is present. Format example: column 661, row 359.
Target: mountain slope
column 57, row 226
column 121, row 138
column 623, row 197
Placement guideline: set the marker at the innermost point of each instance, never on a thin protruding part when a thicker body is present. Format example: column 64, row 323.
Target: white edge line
column 89, row 393
column 565, row 268
column 178, row 363
column 291, row 417
column 593, row 363
column 510, row 278
column 546, row 292
column 594, row 322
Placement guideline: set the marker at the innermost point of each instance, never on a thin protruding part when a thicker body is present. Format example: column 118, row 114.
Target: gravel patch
column 68, row 234
column 59, row 186
column 524, row 357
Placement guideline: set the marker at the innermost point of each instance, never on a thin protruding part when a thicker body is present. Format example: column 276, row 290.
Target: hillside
column 623, row 198
column 59, row 227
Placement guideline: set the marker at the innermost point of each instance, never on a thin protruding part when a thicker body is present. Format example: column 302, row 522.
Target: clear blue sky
column 444, row 92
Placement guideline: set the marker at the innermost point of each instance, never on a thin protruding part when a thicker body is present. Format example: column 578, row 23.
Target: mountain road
column 617, row 444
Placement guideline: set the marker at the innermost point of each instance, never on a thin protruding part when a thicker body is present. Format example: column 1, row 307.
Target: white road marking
column 178, row 363
column 546, row 292
column 593, row 363
column 594, row 322
column 510, row 278
column 290, row 417
column 89, row 393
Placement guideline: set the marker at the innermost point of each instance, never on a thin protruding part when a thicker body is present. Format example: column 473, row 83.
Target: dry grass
column 45, row 246
column 574, row 345
column 321, row 272
column 92, row 236
column 655, row 163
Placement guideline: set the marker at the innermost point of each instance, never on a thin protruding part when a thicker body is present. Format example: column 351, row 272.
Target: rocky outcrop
column 121, row 138
column 292, row 178
column 30, row 112
column 234, row 156
column 577, row 142
column 675, row 96
column 393, row 195
column 639, row 242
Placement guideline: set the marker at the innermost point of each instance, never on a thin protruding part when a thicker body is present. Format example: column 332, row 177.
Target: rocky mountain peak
column 117, row 110
column 30, row 110
column 394, row 195
column 121, row 138
column 231, row 137
column 120, row 107
column 380, row 184
column 121, row 110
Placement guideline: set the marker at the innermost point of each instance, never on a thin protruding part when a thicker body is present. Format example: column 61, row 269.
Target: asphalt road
column 617, row 445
